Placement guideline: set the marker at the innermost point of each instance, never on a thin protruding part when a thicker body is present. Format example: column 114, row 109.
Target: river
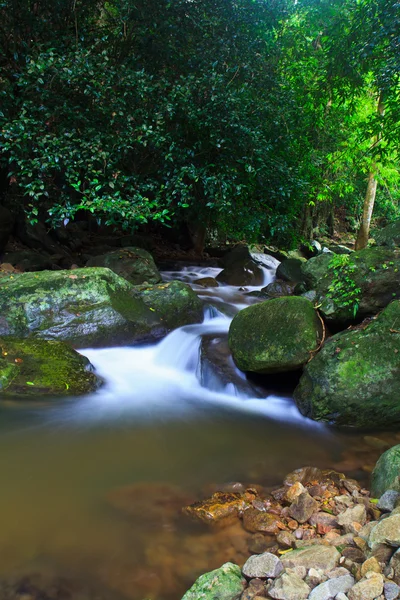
column 91, row 487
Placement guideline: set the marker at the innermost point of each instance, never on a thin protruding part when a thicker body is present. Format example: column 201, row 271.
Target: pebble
column 289, row 587
column 391, row 591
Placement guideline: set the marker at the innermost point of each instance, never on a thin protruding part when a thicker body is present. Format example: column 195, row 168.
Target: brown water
column 152, row 424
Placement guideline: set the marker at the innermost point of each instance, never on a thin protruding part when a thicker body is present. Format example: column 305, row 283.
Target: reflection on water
column 156, row 432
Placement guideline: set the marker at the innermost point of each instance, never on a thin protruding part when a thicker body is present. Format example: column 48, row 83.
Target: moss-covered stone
column 133, row 264
column 225, row 583
column 386, row 474
column 175, row 303
column 33, row 367
column 377, row 275
column 84, row 306
column 275, row 336
column 354, row 380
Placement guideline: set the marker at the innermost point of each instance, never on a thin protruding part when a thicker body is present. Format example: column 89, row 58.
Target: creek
column 164, row 417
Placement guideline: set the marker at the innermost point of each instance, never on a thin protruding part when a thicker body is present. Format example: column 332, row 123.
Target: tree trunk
column 369, row 201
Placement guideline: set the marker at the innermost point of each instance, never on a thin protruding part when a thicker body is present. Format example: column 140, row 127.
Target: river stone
column 225, row 583
column 175, row 303
column 262, row 566
column 389, row 235
column 290, row 270
column 387, row 532
column 303, row 507
column 391, row 590
column 276, row 289
column 329, row 589
column 385, row 475
column 133, row 264
column 206, row 282
column 255, row 520
column 85, row 307
column 289, row 587
column 275, row 336
column 376, row 274
column 368, row 588
column 388, row 501
column 33, row 367
column 316, row 556
column 354, row 380
column 356, row 514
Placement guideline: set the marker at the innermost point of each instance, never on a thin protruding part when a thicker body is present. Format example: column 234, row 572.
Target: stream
column 92, row 486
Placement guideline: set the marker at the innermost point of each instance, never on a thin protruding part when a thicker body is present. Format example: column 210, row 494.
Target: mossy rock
column 136, row 265
column 33, row 367
column 275, row 336
column 376, row 274
column 175, row 303
column 354, row 380
column 386, row 474
column 225, row 583
column 86, row 307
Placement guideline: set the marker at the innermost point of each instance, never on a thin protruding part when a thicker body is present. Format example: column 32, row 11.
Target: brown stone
column 285, row 539
column 371, row 564
column 294, row 491
column 354, row 554
column 255, row 520
column 222, row 508
column 259, row 543
column 303, row 507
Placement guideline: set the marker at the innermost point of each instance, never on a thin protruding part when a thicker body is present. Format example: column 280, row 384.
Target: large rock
column 374, row 271
column 175, row 303
column 133, row 264
column 225, row 583
column 354, row 379
column 315, row 556
column 386, row 475
column 291, row 270
column 275, row 336
column 6, row 226
column 389, row 235
column 240, row 268
column 84, row 306
column 34, row 367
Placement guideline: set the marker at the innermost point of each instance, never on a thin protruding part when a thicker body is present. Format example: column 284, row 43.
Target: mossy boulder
column 374, row 271
column 133, row 264
column 85, row 307
column 33, row 367
column 386, row 474
column 275, row 336
column 354, row 380
column 175, row 303
column 389, row 235
column 291, row 270
column 225, row 583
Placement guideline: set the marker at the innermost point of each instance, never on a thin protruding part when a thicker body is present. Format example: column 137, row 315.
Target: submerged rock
column 133, row 264
column 225, row 583
column 85, row 307
column 355, row 378
column 175, row 303
column 275, row 336
column 34, row 367
column 222, row 508
column 386, row 474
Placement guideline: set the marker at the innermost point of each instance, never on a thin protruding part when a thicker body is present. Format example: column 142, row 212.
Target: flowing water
column 91, row 487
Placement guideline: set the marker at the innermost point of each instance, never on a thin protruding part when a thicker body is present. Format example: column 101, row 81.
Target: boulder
column 278, row 288
column 354, row 380
column 275, row 336
column 240, row 268
column 374, row 271
column 133, row 264
column 291, row 270
column 34, row 367
column 175, row 303
column 85, row 307
column 225, row 583
column 386, row 474
column 6, row 226
column 389, row 235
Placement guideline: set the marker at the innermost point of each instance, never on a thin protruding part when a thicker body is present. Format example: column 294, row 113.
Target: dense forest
column 261, row 120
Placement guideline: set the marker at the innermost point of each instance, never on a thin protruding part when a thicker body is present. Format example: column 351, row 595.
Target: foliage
column 343, row 290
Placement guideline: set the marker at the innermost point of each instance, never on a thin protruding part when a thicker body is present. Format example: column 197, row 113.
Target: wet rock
column 274, row 336
column 276, row 289
column 225, row 583
column 303, row 507
column 86, row 307
column 391, row 590
column 315, row 556
column 289, row 587
column 368, row 588
column 329, row 589
column 133, row 264
column 222, row 508
column 262, row 566
column 255, row 520
column 240, row 268
column 353, row 375
column 388, row 501
column 259, row 543
column 387, row 532
column 38, row 368
column 385, row 475
column 206, row 282
column 291, row 270
column 174, row 303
